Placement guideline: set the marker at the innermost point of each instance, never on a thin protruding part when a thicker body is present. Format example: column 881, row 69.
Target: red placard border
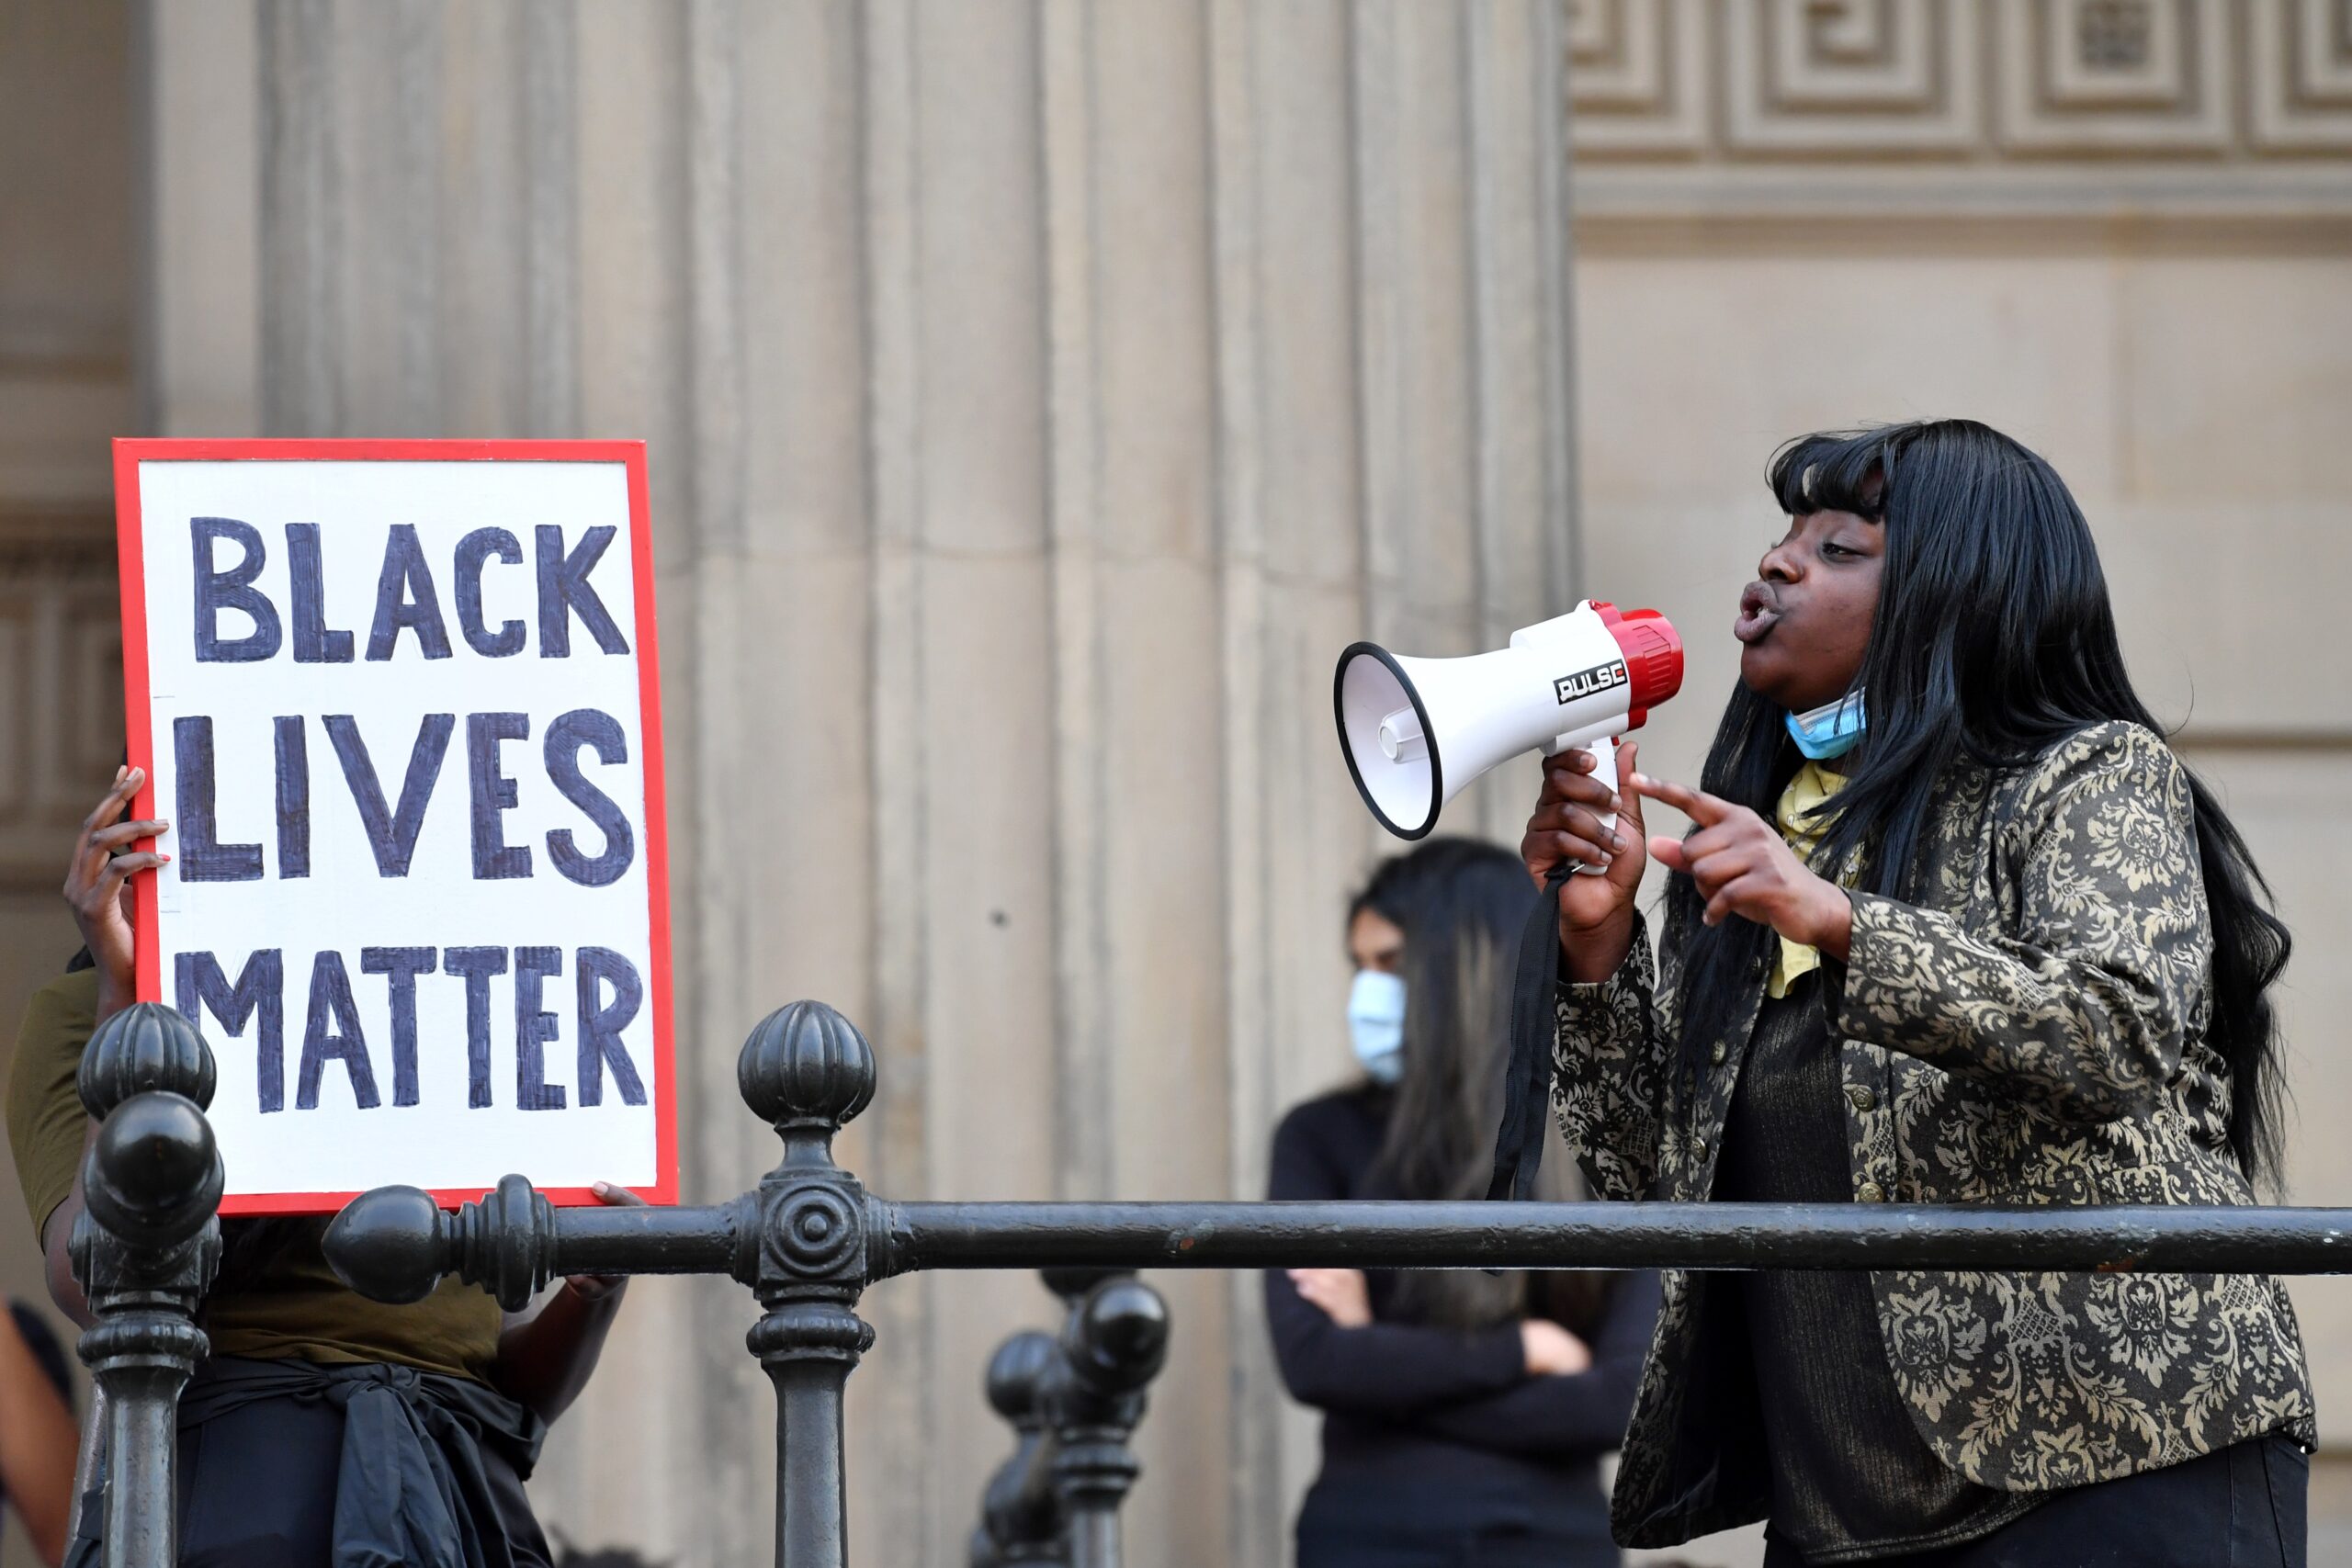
column 139, row 727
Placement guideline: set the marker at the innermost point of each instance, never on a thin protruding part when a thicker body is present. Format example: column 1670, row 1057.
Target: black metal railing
column 1072, row 1400
column 809, row 1240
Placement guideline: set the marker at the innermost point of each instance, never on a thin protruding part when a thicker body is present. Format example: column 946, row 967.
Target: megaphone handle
column 1604, row 768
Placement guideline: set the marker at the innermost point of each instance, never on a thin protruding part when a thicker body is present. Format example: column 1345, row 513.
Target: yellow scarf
column 1813, row 786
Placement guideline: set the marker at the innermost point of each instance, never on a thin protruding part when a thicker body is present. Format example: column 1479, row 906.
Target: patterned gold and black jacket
column 2033, row 1033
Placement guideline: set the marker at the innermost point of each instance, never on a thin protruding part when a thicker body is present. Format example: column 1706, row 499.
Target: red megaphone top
column 1652, row 653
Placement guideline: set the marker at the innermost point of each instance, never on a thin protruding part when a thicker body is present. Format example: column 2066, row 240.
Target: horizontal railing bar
column 648, row 1240
column 1615, row 1235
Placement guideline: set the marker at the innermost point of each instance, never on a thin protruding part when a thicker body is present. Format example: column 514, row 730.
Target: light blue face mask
column 1376, row 1024
column 1829, row 731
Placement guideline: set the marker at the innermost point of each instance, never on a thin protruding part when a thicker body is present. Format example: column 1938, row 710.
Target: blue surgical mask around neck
column 1830, row 730
column 1376, row 1024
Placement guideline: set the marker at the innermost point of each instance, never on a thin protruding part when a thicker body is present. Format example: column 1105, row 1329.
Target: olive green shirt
column 276, row 1297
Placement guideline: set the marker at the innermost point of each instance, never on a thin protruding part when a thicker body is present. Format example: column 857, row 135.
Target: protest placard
column 399, row 701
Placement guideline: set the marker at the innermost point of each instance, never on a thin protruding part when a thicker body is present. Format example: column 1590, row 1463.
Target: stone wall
column 1039, row 396
column 66, row 385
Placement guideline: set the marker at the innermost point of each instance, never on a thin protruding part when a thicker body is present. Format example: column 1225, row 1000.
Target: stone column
column 1040, row 394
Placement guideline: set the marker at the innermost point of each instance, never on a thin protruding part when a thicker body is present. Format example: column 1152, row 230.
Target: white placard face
column 397, row 717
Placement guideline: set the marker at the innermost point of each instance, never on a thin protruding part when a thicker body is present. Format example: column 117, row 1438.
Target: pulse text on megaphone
column 1584, row 683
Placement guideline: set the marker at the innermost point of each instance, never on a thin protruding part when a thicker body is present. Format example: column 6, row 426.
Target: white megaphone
column 1416, row 731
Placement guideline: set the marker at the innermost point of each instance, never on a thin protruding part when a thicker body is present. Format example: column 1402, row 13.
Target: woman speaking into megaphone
column 1952, row 925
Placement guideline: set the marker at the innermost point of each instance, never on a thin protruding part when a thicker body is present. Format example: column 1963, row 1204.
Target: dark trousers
column 1467, row 1549
column 1351, row 1527
column 2239, row 1508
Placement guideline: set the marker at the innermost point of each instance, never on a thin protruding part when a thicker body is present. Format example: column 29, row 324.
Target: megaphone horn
column 1417, row 731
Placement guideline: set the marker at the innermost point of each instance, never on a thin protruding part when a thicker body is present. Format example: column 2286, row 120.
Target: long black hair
column 1994, row 641
column 1461, row 906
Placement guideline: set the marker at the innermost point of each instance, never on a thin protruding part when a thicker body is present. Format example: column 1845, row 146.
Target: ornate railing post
column 144, row 1250
column 1021, row 1519
column 1073, row 1399
column 806, row 1071
column 1114, row 1342
column 804, row 1240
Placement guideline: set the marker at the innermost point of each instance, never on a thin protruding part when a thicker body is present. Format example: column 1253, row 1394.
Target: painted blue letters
column 313, row 643
column 473, row 551
column 477, row 965
column 391, row 834
column 292, row 743
column 203, row 858
column 495, row 860
column 333, row 1033
column 566, row 735
column 402, row 966
column 232, row 590
column 197, row 985
column 534, row 1027
column 405, row 598
column 564, row 592
column 601, row 1024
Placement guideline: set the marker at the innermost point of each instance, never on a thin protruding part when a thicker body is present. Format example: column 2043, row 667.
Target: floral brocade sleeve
column 2088, row 1007
column 1609, row 1074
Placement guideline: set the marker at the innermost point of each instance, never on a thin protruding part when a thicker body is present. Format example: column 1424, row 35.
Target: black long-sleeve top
column 1438, row 1425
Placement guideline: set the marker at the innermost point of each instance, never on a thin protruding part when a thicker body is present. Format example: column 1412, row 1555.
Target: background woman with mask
column 1464, row 1413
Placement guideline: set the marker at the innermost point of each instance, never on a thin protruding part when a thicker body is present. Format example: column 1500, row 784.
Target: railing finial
column 806, row 1071
column 144, row 1250
column 145, row 1046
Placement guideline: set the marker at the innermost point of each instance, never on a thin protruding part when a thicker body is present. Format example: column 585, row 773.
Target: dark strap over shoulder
column 1527, row 1088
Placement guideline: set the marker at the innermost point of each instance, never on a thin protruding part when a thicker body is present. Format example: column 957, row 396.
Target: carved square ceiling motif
column 2196, row 108
column 1637, row 75
column 2115, row 75
column 1858, row 78
column 2300, row 75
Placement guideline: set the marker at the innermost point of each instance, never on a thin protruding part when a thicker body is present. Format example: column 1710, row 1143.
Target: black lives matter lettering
column 390, row 797
column 606, row 990
column 1584, row 683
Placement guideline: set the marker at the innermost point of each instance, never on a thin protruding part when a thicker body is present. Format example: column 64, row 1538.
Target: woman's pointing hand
column 1744, row 867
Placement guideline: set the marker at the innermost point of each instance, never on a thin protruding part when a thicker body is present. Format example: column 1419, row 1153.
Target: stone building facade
column 1041, row 393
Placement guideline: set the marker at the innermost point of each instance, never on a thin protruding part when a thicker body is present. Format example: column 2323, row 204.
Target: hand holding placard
column 106, row 856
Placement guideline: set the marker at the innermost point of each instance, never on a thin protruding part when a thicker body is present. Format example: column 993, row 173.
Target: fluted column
column 1039, row 394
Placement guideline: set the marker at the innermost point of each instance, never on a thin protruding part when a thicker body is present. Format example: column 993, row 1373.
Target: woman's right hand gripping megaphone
column 1596, row 912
